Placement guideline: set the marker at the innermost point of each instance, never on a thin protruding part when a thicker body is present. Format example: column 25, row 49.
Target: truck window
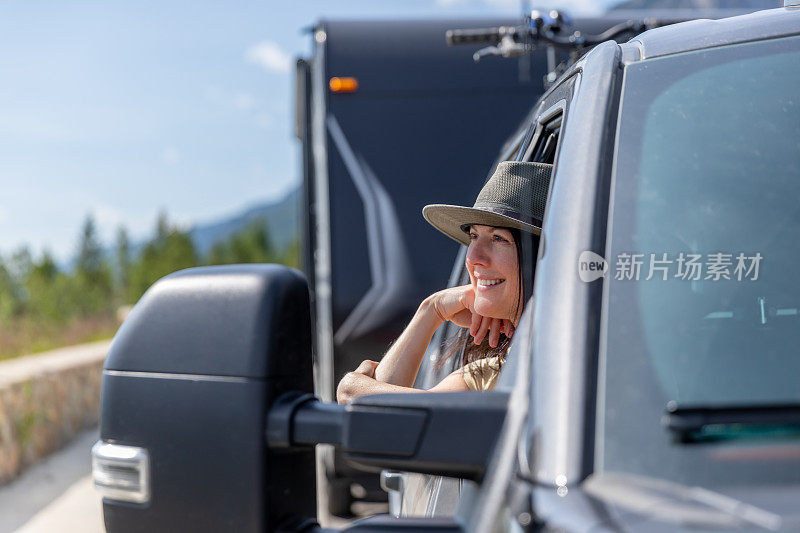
column 543, row 147
column 701, row 303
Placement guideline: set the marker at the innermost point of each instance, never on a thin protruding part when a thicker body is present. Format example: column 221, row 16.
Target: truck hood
column 638, row 503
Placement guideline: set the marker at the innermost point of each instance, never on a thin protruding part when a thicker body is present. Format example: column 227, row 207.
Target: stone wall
column 45, row 400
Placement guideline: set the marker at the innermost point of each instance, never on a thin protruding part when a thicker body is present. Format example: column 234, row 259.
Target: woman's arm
column 356, row 384
column 401, row 363
column 399, row 367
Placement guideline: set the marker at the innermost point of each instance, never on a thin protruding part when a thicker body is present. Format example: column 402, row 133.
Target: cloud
column 265, row 121
column 171, row 155
column 494, row 3
column 107, row 216
column 244, row 101
column 270, row 56
column 503, row 3
column 265, row 114
column 240, row 101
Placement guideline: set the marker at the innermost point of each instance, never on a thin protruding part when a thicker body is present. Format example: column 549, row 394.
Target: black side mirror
column 186, row 388
column 445, row 434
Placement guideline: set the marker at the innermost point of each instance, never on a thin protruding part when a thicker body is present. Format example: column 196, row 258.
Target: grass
column 24, row 335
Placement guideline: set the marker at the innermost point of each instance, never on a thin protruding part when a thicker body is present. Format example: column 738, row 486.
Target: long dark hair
column 527, row 246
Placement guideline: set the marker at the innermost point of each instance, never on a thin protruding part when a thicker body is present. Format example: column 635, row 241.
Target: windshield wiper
column 703, row 424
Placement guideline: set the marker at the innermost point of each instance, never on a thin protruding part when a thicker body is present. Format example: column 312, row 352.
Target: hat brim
column 449, row 219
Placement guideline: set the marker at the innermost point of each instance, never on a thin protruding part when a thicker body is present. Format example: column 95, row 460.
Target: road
column 55, row 494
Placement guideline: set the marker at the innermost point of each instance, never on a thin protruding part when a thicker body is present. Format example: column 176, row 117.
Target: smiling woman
column 500, row 231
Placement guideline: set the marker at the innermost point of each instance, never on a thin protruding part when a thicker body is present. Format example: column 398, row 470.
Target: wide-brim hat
column 514, row 197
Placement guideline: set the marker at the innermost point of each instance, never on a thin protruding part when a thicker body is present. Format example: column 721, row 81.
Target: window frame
column 547, row 126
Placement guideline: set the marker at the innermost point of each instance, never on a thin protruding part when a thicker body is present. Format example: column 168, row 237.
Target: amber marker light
column 343, row 85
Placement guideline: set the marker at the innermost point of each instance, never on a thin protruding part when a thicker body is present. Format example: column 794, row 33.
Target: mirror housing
column 413, row 432
column 189, row 379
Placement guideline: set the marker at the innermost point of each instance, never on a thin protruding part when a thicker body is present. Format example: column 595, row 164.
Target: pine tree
column 20, row 264
column 92, row 277
column 250, row 245
column 90, row 255
column 291, row 257
column 123, row 260
column 168, row 251
column 19, row 267
column 50, row 293
column 163, row 228
column 10, row 293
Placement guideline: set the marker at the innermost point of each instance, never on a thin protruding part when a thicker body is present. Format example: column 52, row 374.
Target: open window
column 544, row 142
column 538, row 142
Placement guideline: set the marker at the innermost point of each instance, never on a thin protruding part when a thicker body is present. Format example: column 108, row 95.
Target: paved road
column 56, row 495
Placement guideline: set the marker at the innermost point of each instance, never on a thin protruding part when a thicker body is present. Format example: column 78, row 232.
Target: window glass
column 702, row 296
column 544, row 149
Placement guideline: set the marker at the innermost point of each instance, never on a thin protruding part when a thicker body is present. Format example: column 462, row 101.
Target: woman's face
column 494, row 272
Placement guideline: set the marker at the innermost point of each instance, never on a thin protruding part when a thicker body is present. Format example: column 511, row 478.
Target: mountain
column 281, row 218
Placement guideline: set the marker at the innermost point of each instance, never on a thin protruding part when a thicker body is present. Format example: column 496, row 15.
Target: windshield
column 703, row 289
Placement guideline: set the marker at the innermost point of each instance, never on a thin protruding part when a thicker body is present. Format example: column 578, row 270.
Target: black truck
column 626, row 404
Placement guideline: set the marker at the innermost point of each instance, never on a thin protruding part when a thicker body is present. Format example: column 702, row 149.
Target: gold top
column 482, row 374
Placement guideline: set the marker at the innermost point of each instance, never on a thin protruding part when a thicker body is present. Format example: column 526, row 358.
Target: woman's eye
column 473, row 236
column 500, row 238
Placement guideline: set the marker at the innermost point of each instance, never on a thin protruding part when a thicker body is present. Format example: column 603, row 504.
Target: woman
column 507, row 212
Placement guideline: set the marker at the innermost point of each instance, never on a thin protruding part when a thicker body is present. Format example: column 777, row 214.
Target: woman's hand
column 367, row 368
column 456, row 305
column 401, row 363
column 483, row 325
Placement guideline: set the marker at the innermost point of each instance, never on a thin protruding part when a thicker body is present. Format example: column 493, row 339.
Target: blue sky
column 122, row 109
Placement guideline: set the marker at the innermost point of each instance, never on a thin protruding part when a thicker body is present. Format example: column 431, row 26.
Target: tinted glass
column 702, row 294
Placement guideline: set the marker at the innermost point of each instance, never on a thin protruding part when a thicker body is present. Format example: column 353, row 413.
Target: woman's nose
column 477, row 253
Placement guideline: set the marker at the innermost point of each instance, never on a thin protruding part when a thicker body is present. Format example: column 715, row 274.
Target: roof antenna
column 524, row 61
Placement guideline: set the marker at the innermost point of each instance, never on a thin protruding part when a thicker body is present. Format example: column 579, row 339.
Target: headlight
column 121, row 472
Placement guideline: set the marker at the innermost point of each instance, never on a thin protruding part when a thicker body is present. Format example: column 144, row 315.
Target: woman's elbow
column 345, row 389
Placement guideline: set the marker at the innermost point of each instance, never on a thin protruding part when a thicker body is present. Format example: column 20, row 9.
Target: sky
column 124, row 109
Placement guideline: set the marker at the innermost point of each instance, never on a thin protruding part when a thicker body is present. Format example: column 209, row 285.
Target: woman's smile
column 485, row 284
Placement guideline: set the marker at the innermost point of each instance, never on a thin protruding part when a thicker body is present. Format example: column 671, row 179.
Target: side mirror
column 187, row 386
column 420, row 432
